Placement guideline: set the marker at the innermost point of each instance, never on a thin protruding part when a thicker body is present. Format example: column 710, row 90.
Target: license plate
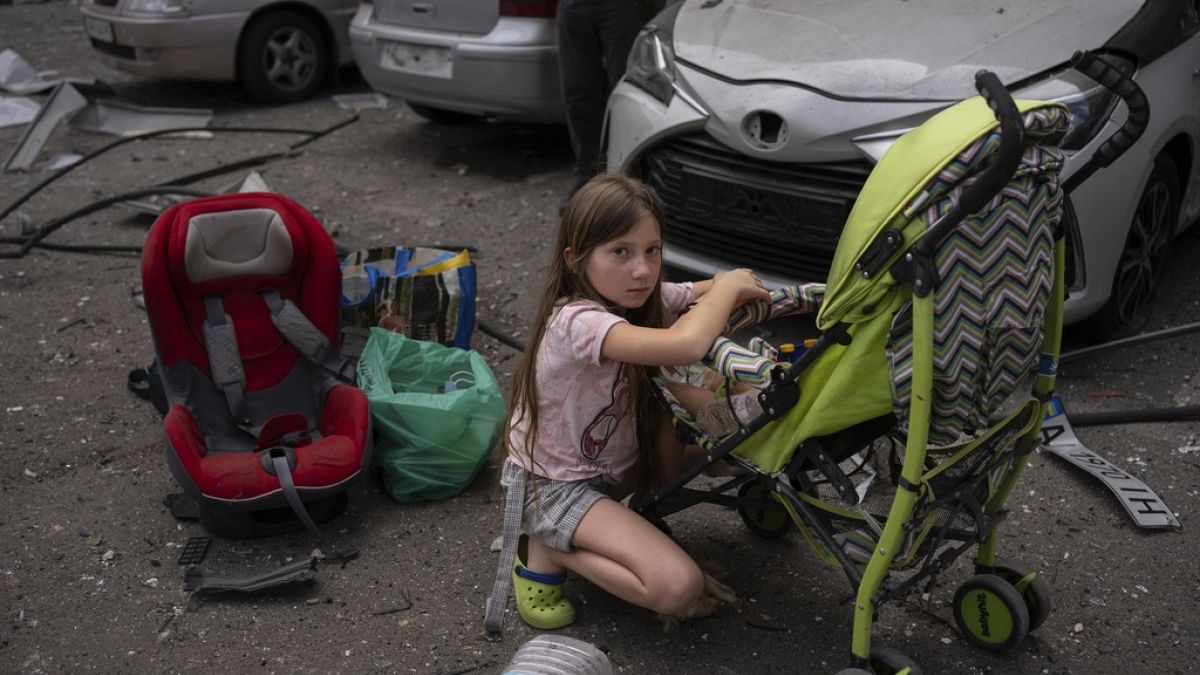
column 101, row 30
column 419, row 59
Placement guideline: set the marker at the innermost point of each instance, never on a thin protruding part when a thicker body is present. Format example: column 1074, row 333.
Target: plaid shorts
column 553, row 509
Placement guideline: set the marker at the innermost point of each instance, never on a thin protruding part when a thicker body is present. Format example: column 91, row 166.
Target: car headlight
column 651, row 65
column 1090, row 103
column 159, row 6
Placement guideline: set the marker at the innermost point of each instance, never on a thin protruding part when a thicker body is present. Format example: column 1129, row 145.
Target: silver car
column 452, row 59
column 278, row 50
column 758, row 122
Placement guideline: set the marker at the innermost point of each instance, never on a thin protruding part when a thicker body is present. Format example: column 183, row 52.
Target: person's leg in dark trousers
column 594, row 39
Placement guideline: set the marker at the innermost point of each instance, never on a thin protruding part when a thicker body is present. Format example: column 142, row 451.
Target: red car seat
column 243, row 293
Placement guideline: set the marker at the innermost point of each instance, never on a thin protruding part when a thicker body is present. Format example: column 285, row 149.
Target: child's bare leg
column 674, row 457
column 624, row 554
column 539, row 559
column 691, row 397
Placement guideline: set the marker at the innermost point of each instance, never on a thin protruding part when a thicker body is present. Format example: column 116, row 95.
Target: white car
column 457, row 59
column 757, row 122
column 279, row 50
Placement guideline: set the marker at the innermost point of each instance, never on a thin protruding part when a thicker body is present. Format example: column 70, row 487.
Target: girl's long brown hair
column 605, row 208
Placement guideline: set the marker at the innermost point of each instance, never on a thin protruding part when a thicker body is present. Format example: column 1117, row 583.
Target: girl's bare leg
column 624, row 554
column 621, row 552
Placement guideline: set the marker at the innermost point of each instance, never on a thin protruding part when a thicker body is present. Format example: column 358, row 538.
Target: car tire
column 443, row 116
column 1144, row 258
column 283, row 57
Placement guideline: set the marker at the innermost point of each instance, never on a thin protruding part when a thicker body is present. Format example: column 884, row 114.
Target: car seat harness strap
column 224, row 359
column 279, row 461
column 306, row 337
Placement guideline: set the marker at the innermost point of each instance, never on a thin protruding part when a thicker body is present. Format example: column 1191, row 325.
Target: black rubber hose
column 490, row 330
column 1130, row 341
column 313, row 135
column 1180, row 414
column 34, row 238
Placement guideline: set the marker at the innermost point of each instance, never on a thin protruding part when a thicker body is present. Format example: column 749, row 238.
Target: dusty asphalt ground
column 88, row 573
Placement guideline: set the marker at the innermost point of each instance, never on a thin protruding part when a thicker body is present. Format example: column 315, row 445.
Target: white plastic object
column 558, row 655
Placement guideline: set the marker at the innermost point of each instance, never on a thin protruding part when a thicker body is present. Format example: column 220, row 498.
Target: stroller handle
column 1136, row 121
column 996, row 176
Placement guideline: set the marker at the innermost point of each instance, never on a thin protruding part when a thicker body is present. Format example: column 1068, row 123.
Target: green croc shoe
column 540, row 599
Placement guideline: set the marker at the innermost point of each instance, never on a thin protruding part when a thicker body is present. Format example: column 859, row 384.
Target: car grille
column 120, row 51
column 781, row 219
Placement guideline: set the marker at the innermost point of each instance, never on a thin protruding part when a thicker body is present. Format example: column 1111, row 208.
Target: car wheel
column 443, row 116
column 1144, row 258
column 283, row 57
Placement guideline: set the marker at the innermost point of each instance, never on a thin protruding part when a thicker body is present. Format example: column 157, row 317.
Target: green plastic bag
column 436, row 410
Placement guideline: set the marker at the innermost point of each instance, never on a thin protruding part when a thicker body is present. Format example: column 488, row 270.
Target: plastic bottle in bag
column 558, row 655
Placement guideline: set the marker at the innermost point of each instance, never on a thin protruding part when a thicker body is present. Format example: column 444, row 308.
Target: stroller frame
column 1005, row 446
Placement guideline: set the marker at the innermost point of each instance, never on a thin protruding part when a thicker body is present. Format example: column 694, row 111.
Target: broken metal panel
column 125, row 119
column 152, row 206
column 253, row 183
column 18, row 77
column 59, row 161
column 155, row 205
column 15, row 111
column 63, row 101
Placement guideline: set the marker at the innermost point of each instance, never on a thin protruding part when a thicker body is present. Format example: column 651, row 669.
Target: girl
column 584, row 429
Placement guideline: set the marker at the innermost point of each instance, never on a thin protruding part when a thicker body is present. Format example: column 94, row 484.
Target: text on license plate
column 419, row 59
column 101, row 30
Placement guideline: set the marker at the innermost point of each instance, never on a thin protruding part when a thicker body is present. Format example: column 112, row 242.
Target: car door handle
column 424, row 8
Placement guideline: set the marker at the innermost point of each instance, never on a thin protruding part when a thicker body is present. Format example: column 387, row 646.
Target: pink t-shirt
column 585, row 428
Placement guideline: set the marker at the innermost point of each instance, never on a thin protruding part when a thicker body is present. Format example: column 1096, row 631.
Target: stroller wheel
column 766, row 523
column 990, row 612
column 886, row 661
column 1036, row 592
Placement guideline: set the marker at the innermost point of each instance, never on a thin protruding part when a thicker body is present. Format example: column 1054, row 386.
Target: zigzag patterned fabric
column 996, row 273
column 753, row 364
column 762, row 348
column 786, row 301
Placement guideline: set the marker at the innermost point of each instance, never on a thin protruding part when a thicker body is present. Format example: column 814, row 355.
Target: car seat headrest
column 236, row 243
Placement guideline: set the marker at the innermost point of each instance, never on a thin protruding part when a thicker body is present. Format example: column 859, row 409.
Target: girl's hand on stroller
column 744, row 282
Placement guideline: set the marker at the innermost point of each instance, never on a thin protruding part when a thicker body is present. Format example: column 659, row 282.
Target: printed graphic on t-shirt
column 596, row 434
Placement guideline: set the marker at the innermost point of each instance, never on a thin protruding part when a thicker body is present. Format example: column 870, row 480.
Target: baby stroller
column 894, row 441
